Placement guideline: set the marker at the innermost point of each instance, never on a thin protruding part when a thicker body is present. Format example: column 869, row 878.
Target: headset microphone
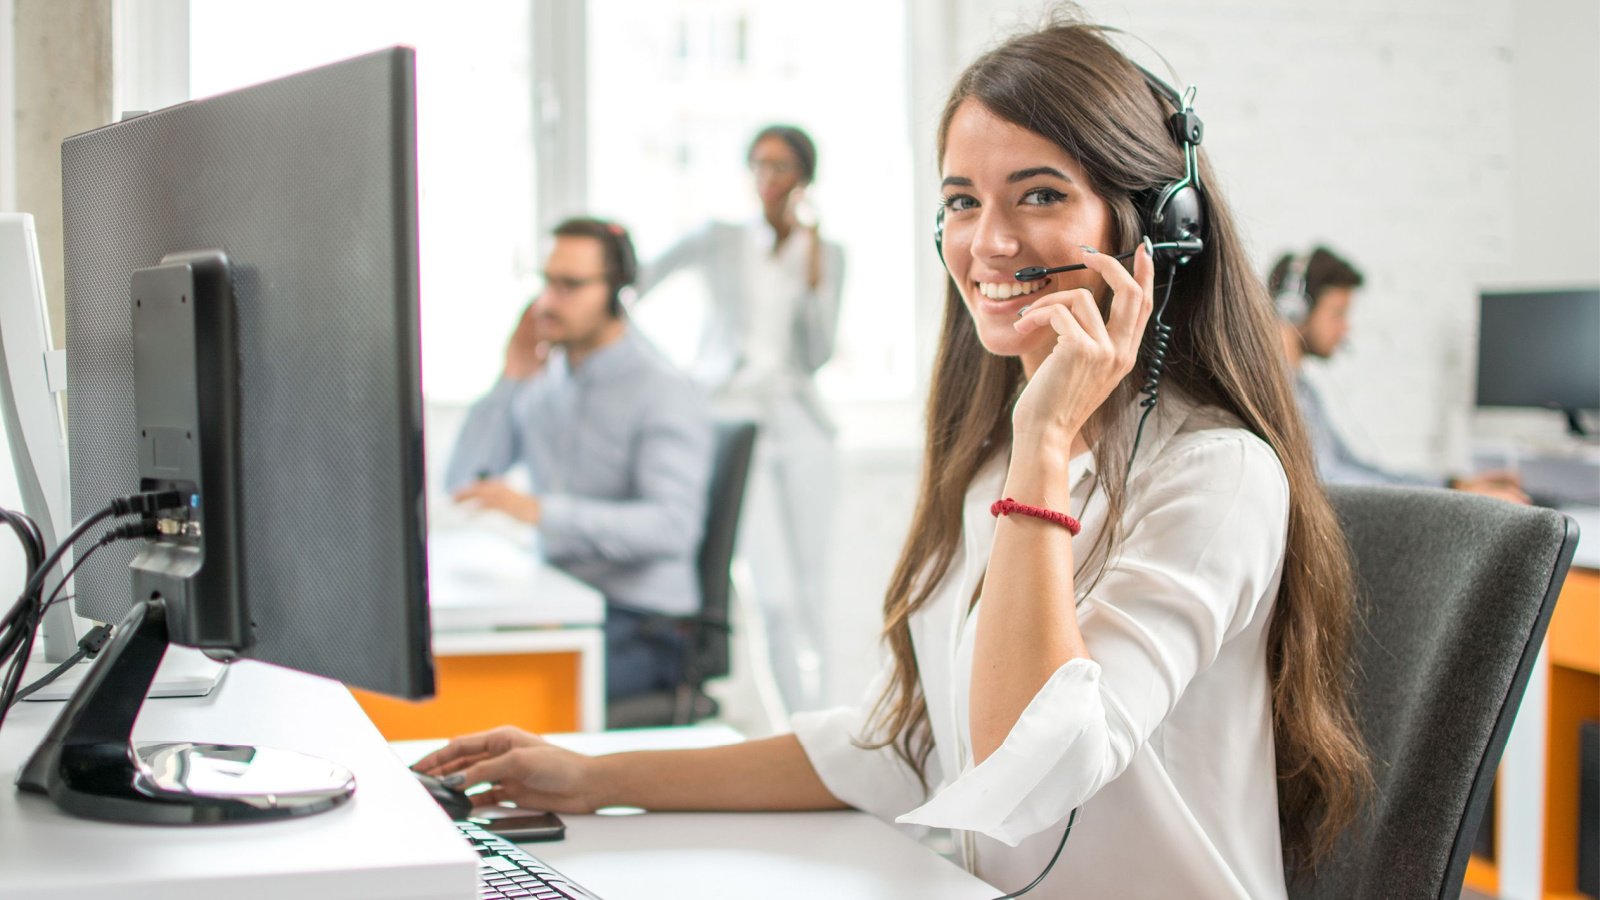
column 1182, row 249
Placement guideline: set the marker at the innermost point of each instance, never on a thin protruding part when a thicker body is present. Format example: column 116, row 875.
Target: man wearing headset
column 618, row 444
column 1312, row 293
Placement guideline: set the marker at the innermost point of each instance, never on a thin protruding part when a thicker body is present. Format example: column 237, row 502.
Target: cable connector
column 144, row 528
column 93, row 642
column 148, row 502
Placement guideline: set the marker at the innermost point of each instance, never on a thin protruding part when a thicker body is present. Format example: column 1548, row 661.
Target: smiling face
column 1014, row 199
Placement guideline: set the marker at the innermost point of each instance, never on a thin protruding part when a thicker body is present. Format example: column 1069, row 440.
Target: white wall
column 1438, row 146
column 1555, row 162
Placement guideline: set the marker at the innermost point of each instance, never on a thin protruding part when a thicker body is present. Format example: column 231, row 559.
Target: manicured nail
column 454, row 781
column 1149, row 250
column 1088, row 249
column 1024, row 311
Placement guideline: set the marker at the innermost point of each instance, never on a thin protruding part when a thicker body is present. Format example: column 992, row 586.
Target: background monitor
column 31, row 373
column 1540, row 349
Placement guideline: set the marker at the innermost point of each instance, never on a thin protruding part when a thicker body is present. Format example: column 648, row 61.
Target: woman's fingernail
column 1149, row 249
column 1024, row 311
column 1088, row 249
column 454, row 781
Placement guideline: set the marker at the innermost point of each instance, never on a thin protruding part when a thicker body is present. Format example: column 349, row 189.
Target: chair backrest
column 1457, row 592
column 734, row 445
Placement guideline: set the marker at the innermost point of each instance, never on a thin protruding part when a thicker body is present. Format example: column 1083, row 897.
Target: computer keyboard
column 507, row 871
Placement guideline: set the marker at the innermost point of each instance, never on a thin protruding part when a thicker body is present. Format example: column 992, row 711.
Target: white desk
column 489, row 594
column 843, row 855
column 389, row 842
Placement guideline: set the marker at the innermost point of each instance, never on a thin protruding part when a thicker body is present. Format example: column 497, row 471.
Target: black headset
column 1175, row 218
column 622, row 267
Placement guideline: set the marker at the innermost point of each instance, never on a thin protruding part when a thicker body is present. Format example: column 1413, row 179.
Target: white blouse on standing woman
column 1163, row 739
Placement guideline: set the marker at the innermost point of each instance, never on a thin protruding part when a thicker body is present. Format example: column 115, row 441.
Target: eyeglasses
column 779, row 167
column 566, row 285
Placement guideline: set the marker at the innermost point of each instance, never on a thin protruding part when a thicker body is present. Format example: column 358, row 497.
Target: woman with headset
column 774, row 287
column 1126, row 616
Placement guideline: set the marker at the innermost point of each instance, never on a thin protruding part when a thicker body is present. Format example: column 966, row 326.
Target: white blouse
column 1163, row 740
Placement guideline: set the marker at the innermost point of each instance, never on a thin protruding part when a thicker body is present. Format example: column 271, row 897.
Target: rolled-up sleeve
column 876, row 781
column 1204, row 546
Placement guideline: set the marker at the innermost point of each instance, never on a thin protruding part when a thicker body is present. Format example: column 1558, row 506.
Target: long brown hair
column 1068, row 84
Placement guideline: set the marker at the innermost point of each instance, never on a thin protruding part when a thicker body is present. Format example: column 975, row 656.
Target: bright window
column 676, row 90
column 475, row 147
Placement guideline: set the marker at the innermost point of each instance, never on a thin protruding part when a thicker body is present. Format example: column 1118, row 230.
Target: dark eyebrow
column 1014, row 177
column 1025, row 174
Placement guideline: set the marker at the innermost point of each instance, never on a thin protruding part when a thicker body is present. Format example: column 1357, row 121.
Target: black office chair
column 705, row 635
column 1457, row 594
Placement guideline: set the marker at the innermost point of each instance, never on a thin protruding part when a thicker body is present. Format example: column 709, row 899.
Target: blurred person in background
column 773, row 289
column 617, row 442
column 1312, row 293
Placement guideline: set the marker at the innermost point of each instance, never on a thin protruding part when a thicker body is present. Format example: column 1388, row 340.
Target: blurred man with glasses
column 618, row 445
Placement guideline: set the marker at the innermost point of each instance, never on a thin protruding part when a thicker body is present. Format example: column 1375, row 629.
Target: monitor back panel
column 307, row 183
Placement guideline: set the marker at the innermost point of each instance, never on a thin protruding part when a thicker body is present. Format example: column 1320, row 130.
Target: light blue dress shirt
column 620, row 453
column 1336, row 462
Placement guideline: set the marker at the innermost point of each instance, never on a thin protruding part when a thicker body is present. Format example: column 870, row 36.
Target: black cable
column 148, row 502
column 32, row 547
column 1073, row 817
column 11, row 690
column 16, row 633
column 28, row 534
column 144, row 528
column 1151, row 389
column 21, row 622
column 89, row 646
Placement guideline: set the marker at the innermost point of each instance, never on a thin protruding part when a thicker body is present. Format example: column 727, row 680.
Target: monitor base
column 89, row 768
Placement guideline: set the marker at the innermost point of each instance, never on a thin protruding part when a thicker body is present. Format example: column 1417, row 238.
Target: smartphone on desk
column 519, row 824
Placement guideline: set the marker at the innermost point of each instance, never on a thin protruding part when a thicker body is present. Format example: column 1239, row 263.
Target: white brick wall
column 1391, row 134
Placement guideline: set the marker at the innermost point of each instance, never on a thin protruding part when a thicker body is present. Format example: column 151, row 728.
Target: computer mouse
column 456, row 803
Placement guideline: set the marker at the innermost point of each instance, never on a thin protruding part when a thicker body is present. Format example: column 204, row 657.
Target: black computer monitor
column 241, row 298
column 1540, row 349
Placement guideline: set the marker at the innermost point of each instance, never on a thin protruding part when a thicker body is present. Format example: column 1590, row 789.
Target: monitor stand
column 89, row 766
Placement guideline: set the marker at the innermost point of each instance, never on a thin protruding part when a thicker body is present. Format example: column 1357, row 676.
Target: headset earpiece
column 1177, row 218
column 1291, row 300
column 627, row 267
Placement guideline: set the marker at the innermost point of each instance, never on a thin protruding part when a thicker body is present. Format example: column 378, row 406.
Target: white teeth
column 1008, row 289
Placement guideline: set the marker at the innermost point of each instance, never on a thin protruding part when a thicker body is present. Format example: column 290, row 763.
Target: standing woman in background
column 773, row 309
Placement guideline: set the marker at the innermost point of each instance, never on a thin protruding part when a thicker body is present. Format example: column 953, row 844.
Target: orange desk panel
column 535, row 691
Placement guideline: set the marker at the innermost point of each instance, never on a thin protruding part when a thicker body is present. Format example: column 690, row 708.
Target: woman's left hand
column 1091, row 355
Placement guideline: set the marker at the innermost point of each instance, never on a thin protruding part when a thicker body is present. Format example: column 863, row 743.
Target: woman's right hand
column 521, row 768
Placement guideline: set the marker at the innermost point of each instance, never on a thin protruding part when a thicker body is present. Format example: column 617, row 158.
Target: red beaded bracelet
column 1008, row 506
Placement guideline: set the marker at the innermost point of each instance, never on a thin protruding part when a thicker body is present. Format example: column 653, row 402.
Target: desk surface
column 389, row 841
column 844, row 855
column 392, row 842
column 483, row 578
